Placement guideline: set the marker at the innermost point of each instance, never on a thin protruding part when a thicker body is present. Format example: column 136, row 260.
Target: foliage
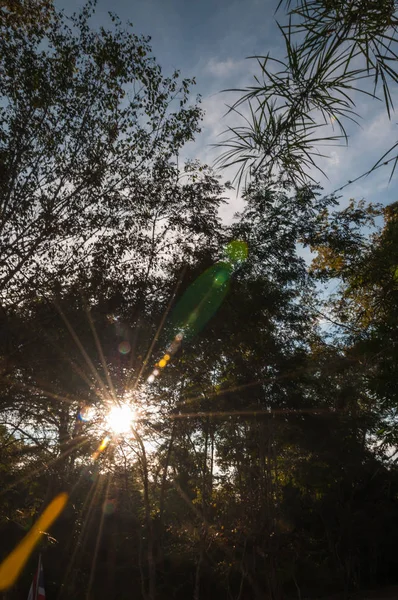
column 365, row 305
column 260, row 461
column 84, row 116
column 333, row 50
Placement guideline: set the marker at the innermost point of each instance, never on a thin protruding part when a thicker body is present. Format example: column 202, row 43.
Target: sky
column 210, row 40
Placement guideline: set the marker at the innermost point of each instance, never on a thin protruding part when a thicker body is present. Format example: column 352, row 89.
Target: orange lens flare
column 103, row 445
column 12, row 566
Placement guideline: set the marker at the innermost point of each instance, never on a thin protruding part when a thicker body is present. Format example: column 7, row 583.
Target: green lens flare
column 201, row 300
column 236, row 252
column 124, row 347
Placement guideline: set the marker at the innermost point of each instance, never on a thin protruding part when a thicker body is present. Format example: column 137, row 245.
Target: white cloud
column 334, row 158
column 223, row 68
column 367, row 143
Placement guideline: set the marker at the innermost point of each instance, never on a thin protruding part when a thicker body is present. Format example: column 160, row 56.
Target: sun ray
column 97, row 544
column 67, row 359
column 45, row 391
column 211, row 529
column 101, row 355
column 158, row 331
column 253, row 413
column 285, row 376
column 81, row 540
column 83, row 351
column 220, row 392
column 186, row 499
column 33, row 388
column 95, row 492
column 44, row 467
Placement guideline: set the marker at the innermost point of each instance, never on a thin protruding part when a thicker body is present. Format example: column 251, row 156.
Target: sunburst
column 121, row 418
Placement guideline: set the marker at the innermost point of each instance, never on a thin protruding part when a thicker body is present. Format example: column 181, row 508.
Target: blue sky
column 210, row 40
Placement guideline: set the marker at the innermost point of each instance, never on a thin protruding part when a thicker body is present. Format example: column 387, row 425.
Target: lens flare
column 103, row 445
column 109, row 507
column 11, row 567
column 120, row 418
column 237, row 252
column 201, row 300
column 86, row 414
column 124, row 347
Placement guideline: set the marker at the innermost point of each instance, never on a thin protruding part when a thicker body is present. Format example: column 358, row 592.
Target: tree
column 364, row 264
column 247, row 464
column 249, row 470
column 25, row 14
column 84, row 116
column 92, row 335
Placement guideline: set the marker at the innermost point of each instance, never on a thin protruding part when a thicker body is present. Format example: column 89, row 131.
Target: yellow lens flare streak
column 103, row 445
column 11, row 567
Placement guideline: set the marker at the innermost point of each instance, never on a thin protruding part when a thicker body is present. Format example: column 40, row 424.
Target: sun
column 120, row 418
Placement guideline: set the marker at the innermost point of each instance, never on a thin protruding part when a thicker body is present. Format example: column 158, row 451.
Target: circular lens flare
column 124, row 347
column 120, row 418
column 86, row 414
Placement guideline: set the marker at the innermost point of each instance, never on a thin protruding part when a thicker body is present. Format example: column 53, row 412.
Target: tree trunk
column 148, row 521
column 203, row 530
column 163, row 492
